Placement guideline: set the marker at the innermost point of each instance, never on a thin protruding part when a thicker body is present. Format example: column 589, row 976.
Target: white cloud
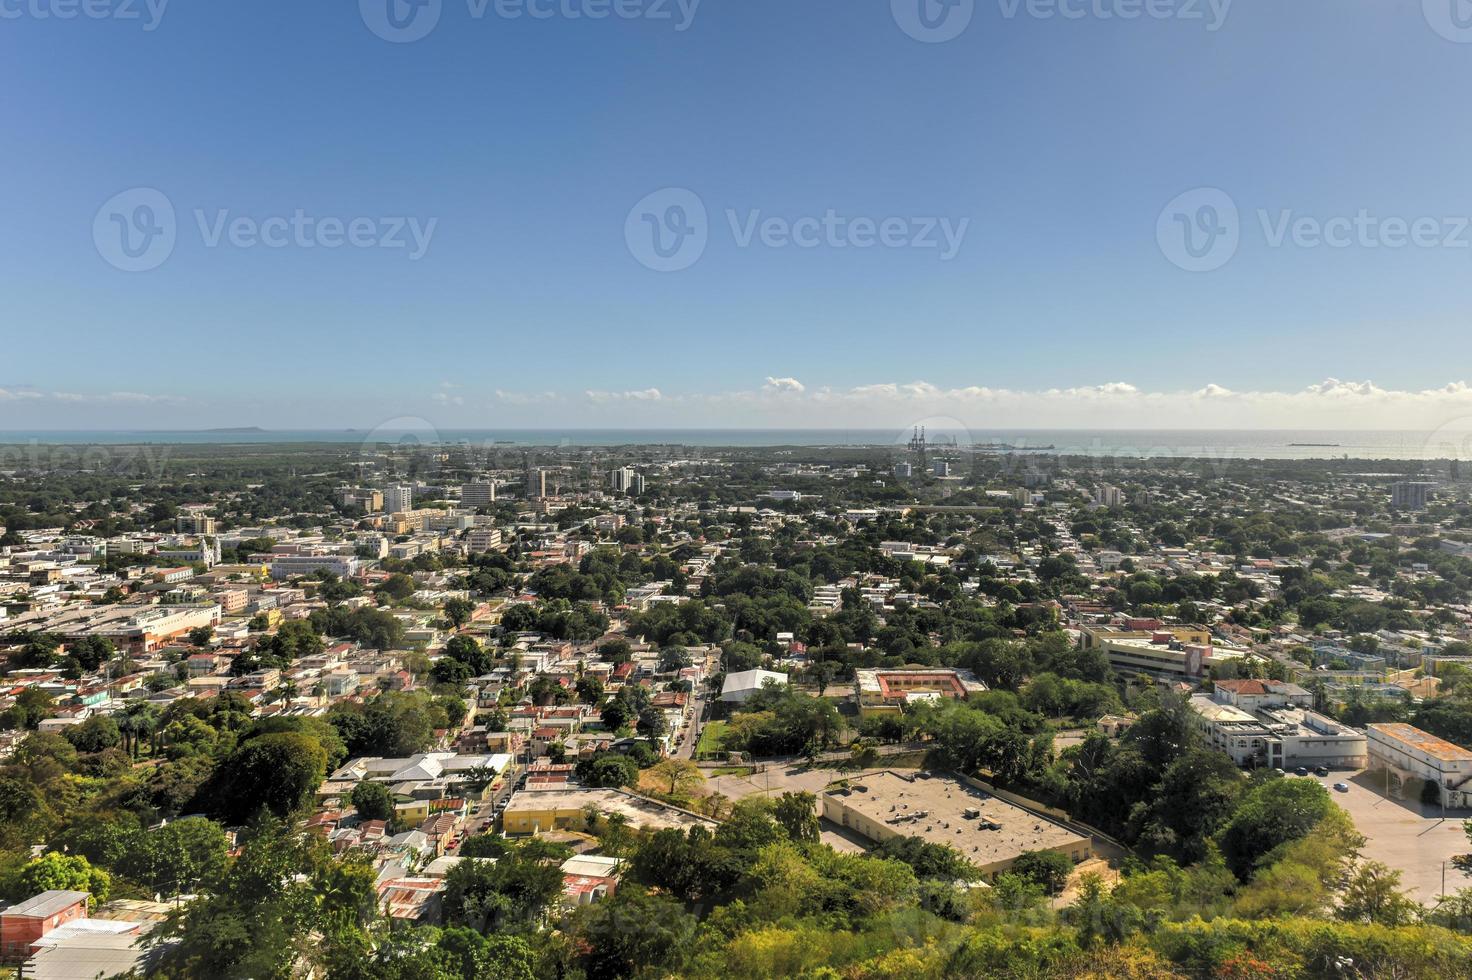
column 788, row 403
column 785, row 384
column 134, row 397
column 642, row 395
column 526, row 397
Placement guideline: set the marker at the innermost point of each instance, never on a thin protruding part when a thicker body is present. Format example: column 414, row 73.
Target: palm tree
column 144, row 722
column 125, row 729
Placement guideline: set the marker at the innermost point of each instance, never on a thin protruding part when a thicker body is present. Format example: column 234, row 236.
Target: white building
column 1280, row 737
column 398, row 497
column 483, row 539
column 478, row 494
column 1410, row 755
column 287, row 566
column 1410, row 494
column 622, row 479
column 743, row 684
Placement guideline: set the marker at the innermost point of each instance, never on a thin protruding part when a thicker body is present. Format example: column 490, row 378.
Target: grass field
column 710, row 737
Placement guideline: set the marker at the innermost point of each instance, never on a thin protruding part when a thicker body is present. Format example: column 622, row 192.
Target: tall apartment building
column 399, row 497
column 1410, row 494
column 536, row 483
column 622, row 479
column 195, row 524
column 365, row 497
column 1108, row 496
column 478, row 494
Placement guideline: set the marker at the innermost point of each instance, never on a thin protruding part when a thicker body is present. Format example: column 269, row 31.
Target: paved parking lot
column 1418, row 841
column 775, row 779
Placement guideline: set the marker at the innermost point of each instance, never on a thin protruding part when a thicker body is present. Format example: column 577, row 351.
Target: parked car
column 1301, row 771
column 1342, row 787
column 1321, row 771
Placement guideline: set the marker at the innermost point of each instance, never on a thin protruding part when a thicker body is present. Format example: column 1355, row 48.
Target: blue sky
column 519, row 145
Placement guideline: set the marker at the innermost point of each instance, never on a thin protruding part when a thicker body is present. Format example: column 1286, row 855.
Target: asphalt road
column 687, row 749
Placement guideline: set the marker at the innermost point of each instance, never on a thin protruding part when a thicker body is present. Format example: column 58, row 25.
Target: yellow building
column 1174, row 652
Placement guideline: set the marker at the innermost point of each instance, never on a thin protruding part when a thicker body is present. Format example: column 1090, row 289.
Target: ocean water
column 1210, row 443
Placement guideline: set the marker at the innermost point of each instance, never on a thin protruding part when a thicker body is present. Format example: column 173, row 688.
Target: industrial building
column 987, row 830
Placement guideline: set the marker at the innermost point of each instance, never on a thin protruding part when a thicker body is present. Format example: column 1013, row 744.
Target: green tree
column 1050, row 869
column 508, row 894
column 95, row 734
column 1274, row 813
column 458, row 611
column 1373, row 894
column 373, row 801
column 52, row 871
column 284, row 903
column 633, row 932
column 608, row 770
column 798, row 815
column 278, row 772
column 176, row 857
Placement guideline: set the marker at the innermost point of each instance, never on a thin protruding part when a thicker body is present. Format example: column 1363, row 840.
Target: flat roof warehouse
column 987, row 830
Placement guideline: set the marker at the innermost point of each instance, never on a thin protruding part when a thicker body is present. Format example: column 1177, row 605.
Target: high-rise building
column 622, row 479
column 1108, row 496
column 399, row 497
column 478, row 494
column 636, row 487
column 1410, row 494
column 367, row 498
column 536, row 483
column 195, row 524
column 940, row 468
column 903, row 470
